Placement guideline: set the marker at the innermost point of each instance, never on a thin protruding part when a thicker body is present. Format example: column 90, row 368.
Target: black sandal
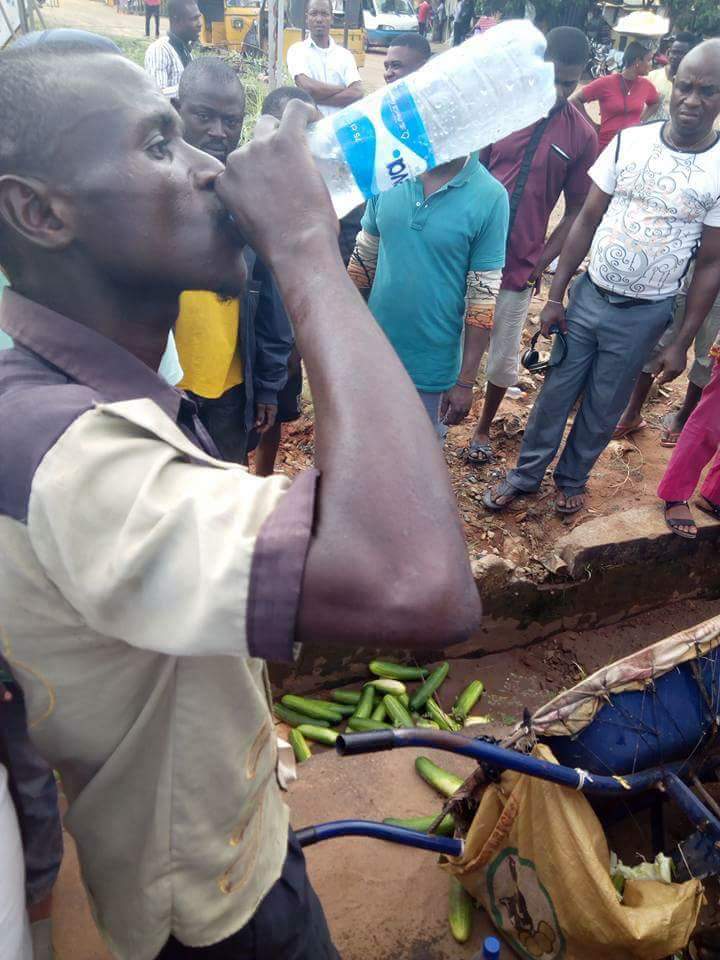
column 478, row 454
column 675, row 524
column 502, row 489
column 707, row 506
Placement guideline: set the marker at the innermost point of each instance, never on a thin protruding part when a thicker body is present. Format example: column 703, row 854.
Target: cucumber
column 364, row 725
column 443, row 781
column 345, row 709
column 294, row 719
column 318, row 734
column 474, row 721
column 346, row 696
column 436, row 713
column 397, row 712
column 379, row 713
column 300, row 747
column 467, row 699
column 428, row 724
column 396, row 671
column 423, row 694
column 393, row 687
column 445, row 828
column 460, row 911
column 404, row 699
column 366, row 703
column 317, row 709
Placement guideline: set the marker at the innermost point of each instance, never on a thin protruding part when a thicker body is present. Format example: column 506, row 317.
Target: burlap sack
column 537, row 859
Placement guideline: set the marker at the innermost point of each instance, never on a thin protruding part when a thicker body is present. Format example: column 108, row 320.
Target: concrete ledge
column 635, row 536
column 605, row 570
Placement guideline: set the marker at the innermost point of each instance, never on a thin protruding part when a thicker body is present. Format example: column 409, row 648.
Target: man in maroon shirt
column 535, row 165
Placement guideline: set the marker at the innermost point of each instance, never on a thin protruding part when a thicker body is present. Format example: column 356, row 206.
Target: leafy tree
column 699, row 16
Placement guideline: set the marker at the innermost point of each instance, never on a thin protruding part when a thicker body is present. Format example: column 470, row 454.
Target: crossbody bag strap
column 524, row 173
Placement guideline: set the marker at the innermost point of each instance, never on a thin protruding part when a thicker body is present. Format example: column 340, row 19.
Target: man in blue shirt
column 431, row 253
column 429, row 260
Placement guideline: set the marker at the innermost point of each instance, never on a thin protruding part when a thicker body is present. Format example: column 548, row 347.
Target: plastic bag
column 537, row 859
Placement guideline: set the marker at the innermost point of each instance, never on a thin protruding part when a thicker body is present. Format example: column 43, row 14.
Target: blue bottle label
column 388, row 144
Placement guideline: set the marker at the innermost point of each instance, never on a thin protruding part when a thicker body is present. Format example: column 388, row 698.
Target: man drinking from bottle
column 141, row 575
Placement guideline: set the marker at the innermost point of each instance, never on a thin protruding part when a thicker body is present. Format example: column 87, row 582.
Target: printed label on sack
column 388, row 144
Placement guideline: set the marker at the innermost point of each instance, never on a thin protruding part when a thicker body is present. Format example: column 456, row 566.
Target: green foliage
column 134, row 49
column 699, row 16
column 252, row 71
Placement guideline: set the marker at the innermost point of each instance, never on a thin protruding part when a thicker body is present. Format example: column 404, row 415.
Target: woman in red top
column 625, row 98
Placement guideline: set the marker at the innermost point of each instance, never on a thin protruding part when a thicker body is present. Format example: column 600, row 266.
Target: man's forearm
column 475, row 344
column 701, row 296
column 346, row 96
column 369, row 424
column 555, row 242
column 319, row 91
column 573, row 253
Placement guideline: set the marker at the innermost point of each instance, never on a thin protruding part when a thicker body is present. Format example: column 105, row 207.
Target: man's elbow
column 429, row 606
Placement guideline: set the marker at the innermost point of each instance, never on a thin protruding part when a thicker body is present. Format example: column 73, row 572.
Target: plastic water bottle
column 472, row 95
column 491, row 949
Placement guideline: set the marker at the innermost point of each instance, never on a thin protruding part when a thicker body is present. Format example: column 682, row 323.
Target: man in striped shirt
column 167, row 57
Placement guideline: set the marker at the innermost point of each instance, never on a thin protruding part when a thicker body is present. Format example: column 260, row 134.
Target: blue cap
column 491, row 948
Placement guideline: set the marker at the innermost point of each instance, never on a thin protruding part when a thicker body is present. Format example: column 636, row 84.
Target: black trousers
column 289, row 924
column 224, row 420
column 151, row 12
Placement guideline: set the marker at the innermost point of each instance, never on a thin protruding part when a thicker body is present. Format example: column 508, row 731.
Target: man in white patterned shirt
column 167, row 57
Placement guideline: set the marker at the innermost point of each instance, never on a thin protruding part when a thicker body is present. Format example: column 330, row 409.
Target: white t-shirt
column 14, row 928
column 661, row 199
column 333, row 64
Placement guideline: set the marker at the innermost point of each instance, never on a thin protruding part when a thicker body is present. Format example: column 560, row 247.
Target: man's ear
column 27, row 207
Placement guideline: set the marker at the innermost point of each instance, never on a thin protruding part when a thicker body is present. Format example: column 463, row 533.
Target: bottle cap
column 491, row 948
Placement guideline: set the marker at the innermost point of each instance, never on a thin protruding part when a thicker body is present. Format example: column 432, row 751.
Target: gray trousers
column 607, row 347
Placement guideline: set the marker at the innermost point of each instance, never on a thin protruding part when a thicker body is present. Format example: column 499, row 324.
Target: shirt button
column 417, row 203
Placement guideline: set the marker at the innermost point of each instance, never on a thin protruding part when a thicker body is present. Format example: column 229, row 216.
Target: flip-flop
column 707, row 506
column 478, row 454
column 675, row 524
column 619, row 433
column 668, row 437
column 569, row 511
column 502, row 489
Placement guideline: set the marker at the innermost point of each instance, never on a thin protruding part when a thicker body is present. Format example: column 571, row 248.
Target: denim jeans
column 607, row 345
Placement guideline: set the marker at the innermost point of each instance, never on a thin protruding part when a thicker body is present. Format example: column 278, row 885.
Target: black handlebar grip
column 307, row 836
column 371, row 742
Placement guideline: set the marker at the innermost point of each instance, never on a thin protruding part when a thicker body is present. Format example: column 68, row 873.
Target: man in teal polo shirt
column 431, row 253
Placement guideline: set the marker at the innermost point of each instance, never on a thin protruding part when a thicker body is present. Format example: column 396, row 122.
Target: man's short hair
column 684, row 36
column 276, row 101
column 176, row 8
column 633, row 52
column 33, row 95
column 413, row 41
column 67, row 40
column 567, row 45
column 217, row 72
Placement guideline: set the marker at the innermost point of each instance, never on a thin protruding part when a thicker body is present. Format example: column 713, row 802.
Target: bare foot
column 569, row 504
column 626, row 427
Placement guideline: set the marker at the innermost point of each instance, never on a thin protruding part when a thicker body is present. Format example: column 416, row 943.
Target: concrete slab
column 634, row 536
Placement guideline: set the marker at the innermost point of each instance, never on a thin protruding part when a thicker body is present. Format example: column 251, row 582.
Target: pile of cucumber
column 383, row 702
